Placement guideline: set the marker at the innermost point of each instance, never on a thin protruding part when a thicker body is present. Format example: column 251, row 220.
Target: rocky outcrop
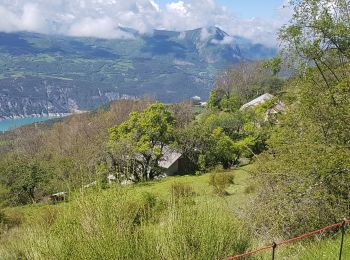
column 24, row 97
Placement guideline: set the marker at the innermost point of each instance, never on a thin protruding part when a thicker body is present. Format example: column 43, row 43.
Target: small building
column 279, row 107
column 196, row 100
column 175, row 163
column 258, row 101
column 271, row 112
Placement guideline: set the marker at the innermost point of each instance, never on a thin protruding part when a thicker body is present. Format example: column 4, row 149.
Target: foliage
column 274, row 64
column 69, row 152
column 102, row 175
column 223, row 149
column 222, row 138
column 304, row 176
column 245, row 82
column 302, row 161
column 181, row 191
column 206, row 143
column 319, row 34
column 307, row 166
column 227, row 103
column 183, row 112
column 221, row 181
column 24, row 178
column 9, row 221
column 149, row 133
column 2, row 217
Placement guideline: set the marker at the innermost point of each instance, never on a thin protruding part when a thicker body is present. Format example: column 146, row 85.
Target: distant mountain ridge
column 42, row 74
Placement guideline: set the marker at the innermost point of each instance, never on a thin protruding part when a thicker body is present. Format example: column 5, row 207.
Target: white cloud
column 101, row 28
column 28, row 19
column 178, row 8
column 101, row 18
column 226, row 40
column 155, row 5
column 205, row 34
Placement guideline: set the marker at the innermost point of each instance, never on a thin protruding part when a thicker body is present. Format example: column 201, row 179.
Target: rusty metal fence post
column 342, row 239
column 274, row 245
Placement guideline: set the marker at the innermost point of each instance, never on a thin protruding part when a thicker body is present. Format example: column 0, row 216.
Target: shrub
column 150, row 208
column 2, row 216
column 250, row 189
column 8, row 221
column 181, row 191
column 221, row 181
column 3, row 220
column 49, row 216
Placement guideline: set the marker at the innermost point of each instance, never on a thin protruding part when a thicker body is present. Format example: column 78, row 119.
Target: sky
column 257, row 20
column 247, row 8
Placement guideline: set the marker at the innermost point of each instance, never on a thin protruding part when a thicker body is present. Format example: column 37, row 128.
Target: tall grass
column 124, row 224
column 318, row 247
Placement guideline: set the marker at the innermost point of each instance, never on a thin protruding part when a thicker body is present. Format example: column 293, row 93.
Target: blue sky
column 246, row 8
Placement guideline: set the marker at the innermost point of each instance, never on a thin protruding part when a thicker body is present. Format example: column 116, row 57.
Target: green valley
column 41, row 74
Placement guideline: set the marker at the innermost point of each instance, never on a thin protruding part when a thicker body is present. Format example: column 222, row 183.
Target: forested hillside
column 41, row 74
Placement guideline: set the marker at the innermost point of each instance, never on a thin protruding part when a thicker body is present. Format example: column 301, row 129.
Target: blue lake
column 8, row 124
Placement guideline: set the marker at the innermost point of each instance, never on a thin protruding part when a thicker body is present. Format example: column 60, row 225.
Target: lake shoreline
column 16, row 122
column 53, row 115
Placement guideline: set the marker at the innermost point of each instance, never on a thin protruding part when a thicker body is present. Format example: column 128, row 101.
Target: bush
column 221, row 181
column 250, row 189
column 49, row 216
column 2, row 217
column 150, row 209
column 3, row 220
column 8, row 221
column 181, row 191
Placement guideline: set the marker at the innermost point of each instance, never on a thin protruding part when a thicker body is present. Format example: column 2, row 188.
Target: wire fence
column 275, row 245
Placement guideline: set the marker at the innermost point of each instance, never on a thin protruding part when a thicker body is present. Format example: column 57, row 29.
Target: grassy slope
column 34, row 215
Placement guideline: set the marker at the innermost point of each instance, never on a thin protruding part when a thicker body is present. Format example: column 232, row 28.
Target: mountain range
column 44, row 74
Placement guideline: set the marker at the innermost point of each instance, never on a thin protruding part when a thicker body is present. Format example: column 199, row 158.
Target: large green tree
column 146, row 136
column 218, row 138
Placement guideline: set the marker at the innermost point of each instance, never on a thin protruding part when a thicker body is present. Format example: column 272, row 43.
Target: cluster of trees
column 42, row 159
column 220, row 136
column 237, row 86
column 304, row 176
column 214, row 138
column 128, row 139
